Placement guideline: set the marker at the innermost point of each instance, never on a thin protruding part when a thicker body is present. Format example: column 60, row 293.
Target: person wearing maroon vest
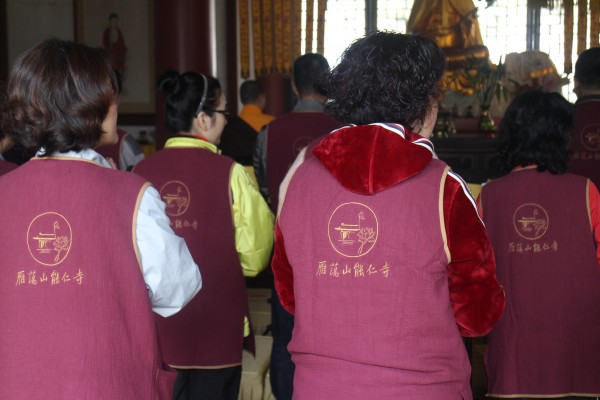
column 277, row 145
column 126, row 153
column 544, row 225
column 82, row 273
column 226, row 223
column 379, row 251
column 5, row 145
column 585, row 138
column 6, row 166
column 281, row 140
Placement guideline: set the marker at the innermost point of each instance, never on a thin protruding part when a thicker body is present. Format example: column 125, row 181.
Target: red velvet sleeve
column 282, row 270
column 594, row 206
column 476, row 296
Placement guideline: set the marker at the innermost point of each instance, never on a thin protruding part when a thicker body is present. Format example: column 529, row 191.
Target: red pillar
column 182, row 43
column 279, row 94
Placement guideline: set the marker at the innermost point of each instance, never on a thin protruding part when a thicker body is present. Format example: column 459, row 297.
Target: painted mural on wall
column 123, row 29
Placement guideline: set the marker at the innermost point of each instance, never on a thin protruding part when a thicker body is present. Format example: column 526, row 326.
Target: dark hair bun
column 169, row 82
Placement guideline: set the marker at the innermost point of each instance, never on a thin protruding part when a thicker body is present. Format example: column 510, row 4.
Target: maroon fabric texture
column 76, row 319
column 476, row 297
column 209, row 331
column 286, row 136
column 6, row 166
column 547, row 341
column 585, row 140
column 114, row 150
column 372, row 306
column 310, row 148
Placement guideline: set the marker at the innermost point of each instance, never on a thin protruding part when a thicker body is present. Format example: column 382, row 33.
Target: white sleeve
column 170, row 273
column 288, row 177
column 131, row 153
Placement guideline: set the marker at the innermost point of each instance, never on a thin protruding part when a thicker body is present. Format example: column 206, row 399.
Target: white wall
column 31, row 21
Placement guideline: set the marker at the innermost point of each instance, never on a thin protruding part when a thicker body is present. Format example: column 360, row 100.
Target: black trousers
column 208, row 384
column 282, row 366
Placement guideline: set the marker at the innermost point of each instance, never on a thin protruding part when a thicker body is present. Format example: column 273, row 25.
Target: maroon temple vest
column 194, row 184
column 114, row 150
column 548, row 339
column 585, row 140
column 286, row 136
column 76, row 319
column 6, row 166
column 373, row 316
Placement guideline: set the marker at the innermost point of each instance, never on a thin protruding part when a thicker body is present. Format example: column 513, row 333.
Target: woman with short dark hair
column 379, row 252
column 387, row 78
column 89, row 253
column 535, row 131
column 59, row 95
column 544, row 225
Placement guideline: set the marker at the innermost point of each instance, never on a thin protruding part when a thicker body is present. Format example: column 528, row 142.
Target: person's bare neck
column 313, row 97
column 589, row 92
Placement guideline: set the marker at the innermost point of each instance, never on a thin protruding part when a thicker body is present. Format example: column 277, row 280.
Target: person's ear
column 202, row 122
column 295, row 89
column 262, row 101
column 576, row 87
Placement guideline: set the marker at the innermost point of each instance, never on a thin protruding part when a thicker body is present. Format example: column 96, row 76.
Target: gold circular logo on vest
column 301, row 143
column 49, row 238
column 353, row 229
column 531, row 221
column 590, row 137
column 176, row 196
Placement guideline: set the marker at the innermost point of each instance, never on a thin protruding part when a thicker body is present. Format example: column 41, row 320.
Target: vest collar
column 191, row 142
column 308, row 106
column 521, row 168
column 590, row 97
column 367, row 159
column 85, row 155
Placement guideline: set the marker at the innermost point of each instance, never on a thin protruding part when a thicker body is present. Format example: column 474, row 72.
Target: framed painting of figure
column 124, row 30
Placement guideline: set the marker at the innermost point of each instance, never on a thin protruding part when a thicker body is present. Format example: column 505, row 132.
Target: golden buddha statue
column 453, row 25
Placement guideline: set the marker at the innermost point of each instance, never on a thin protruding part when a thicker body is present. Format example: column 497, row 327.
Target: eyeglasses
column 225, row 113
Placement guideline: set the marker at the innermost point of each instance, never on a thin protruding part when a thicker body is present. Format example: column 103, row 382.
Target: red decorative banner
column 594, row 22
column 257, row 37
column 582, row 26
column 244, row 39
column 568, row 30
column 310, row 25
column 321, row 26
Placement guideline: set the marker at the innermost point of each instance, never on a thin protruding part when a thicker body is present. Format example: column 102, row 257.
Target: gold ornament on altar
column 452, row 25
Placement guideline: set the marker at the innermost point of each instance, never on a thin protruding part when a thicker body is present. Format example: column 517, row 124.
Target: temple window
column 506, row 26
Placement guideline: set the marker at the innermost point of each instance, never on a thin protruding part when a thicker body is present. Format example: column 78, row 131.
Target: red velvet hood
column 367, row 159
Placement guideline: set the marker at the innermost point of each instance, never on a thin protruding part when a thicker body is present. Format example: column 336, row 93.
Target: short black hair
column 587, row 68
column 535, row 129
column 58, row 94
column 309, row 71
column 183, row 95
column 386, row 77
column 250, row 91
